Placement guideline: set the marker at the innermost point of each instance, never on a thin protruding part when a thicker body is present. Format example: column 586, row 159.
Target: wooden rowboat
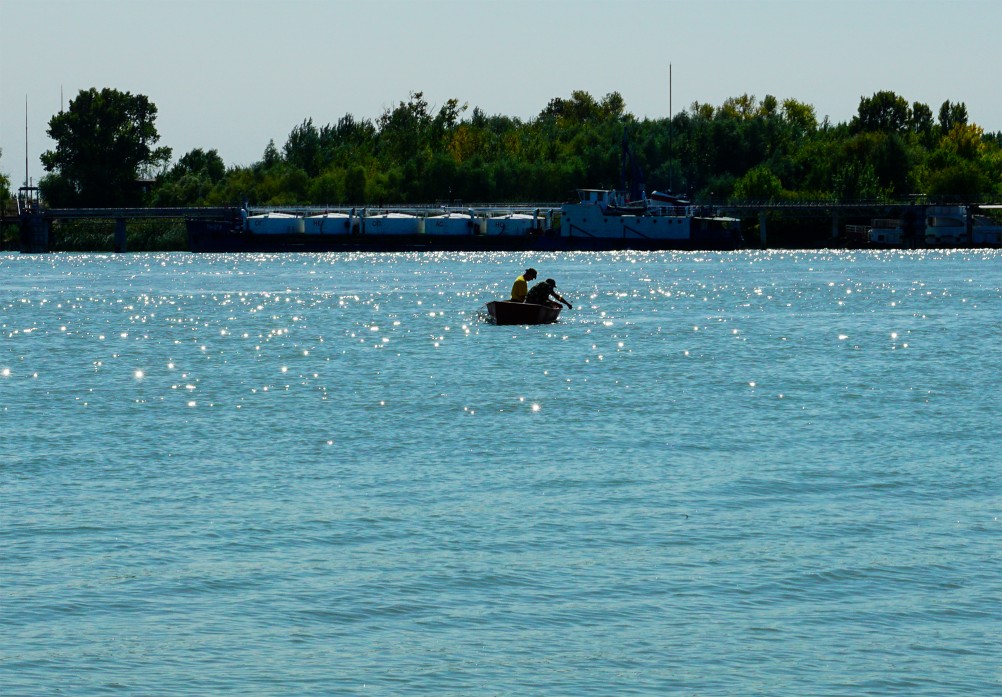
column 507, row 312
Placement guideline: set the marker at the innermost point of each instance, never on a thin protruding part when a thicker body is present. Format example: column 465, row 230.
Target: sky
column 233, row 75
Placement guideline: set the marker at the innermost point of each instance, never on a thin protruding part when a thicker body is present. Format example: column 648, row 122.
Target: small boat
column 508, row 312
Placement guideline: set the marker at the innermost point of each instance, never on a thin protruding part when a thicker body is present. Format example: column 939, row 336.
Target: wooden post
column 120, row 235
column 34, row 233
column 761, row 228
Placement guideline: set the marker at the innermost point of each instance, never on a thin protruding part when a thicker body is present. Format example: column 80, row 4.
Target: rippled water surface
column 719, row 474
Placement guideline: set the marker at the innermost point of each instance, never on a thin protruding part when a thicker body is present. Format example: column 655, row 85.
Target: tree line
column 746, row 149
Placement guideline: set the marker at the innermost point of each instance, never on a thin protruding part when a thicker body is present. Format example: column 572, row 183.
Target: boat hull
column 224, row 236
column 506, row 312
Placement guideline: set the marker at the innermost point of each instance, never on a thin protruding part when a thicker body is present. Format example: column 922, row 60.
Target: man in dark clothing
column 541, row 293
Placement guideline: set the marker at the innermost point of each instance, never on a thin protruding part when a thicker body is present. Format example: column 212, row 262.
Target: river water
column 719, row 474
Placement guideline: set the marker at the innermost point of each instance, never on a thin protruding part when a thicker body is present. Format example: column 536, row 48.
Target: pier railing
column 36, row 221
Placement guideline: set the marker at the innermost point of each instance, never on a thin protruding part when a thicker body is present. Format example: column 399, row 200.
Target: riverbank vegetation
column 746, row 149
column 743, row 149
column 159, row 235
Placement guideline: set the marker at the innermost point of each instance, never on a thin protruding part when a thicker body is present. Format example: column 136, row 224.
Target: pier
column 913, row 224
column 849, row 222
column 35, row 221
column 822, row 224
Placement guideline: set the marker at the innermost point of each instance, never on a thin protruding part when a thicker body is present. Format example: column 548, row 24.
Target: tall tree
column 884, row 111
column 951, row 115
column 4, row 184
column 759, row 184
column 800, row 117
column 921, row 121
column 302, row 149
column 104, row 141
column 189, row 181
column 402, row 130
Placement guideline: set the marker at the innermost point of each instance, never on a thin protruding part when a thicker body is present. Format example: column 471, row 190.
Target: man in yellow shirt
column 521, row 287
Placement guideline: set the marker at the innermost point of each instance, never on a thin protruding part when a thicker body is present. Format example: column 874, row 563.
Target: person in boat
column 541, row 293
column 521, row 287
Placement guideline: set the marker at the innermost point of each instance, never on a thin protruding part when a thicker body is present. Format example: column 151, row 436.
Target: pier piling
column 120, row 236
column 34, row 233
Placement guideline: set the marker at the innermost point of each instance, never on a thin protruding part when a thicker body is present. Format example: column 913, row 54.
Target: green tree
column 5, row 193
column 965, row 140
column 356, row 186
column 759, row 184
column 856, row 181
column 921, row 121
column 884, row 111
column 440, row 181
column 347, row 142
column 444, row 123
column 327, row 188
column 303, row 148
column 271, row 157
column 951, row 115
column 402, row 130
column 613, row 106
column 769, row 106
column 580, row 107
column 891, row 163
column 207, row 164
column 959, row 179
column 104, row 141
column 702, row 111
column 239, row 184
column 800, row 117
column 190, row 181
column 964, row 165
column 743, row 107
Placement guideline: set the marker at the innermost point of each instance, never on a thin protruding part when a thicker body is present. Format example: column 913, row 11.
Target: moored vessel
column 886, row 232
column 985, row 231
column 608, row 219
column 946, row 226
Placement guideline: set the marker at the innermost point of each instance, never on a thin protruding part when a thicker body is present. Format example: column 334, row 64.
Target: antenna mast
column 26, row 182
column 671, row 163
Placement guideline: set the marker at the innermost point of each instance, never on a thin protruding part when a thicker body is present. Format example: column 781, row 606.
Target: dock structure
column 818, row 211
column 122, row 216
column 35, row 221
column 850, row 223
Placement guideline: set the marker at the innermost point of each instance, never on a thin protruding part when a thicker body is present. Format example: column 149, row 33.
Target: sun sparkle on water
column 631, row 436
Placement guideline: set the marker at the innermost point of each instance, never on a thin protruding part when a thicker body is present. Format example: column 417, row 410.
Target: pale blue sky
column 234, row 74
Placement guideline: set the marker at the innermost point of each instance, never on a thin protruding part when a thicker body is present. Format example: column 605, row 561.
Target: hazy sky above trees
column 234, row 74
